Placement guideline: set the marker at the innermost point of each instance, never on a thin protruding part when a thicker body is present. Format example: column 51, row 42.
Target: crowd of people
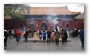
column 45, row 35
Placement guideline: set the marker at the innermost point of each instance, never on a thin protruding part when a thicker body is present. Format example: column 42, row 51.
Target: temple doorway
column 57, row 26
column 44, row 26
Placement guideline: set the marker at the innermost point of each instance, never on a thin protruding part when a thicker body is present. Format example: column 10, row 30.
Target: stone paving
column 73, row 45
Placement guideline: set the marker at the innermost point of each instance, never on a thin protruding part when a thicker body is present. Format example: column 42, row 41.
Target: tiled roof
column 80, row 16
column 51, row 10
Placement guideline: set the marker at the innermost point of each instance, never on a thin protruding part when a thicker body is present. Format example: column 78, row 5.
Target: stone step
column 68, row 40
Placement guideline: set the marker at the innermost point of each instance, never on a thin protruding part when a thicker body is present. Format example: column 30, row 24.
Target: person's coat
column 57, row 35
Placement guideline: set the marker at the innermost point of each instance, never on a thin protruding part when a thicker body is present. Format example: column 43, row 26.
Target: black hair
column 81, row 28
column 43, row 30
column 56, row 29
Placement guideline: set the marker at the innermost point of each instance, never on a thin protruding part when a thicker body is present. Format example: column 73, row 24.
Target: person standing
column 10, row 34
column 26, row 35
column 13, row 33
column 48, row 36
column 18, row 34
column 57, row 36
column 5, row 38
column 81, row 33
column 35, row 37
column 63, row 36
column 40, row 34
column 52, row 35
column 29, row 33
column 44, row 36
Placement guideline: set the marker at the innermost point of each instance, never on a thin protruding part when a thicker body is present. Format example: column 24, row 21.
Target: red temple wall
column 8, row 24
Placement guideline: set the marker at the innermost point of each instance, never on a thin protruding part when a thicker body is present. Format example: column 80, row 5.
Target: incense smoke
column 52, row 19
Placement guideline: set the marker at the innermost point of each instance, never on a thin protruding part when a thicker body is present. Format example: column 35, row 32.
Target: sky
column 71, row 7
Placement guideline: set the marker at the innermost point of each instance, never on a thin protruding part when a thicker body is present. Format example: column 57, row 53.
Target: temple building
column 47, row 17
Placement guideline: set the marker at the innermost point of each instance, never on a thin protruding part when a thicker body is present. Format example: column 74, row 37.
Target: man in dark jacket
column 5, row 39
column 48, row 36
column 81, row 33
column 65, row 36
